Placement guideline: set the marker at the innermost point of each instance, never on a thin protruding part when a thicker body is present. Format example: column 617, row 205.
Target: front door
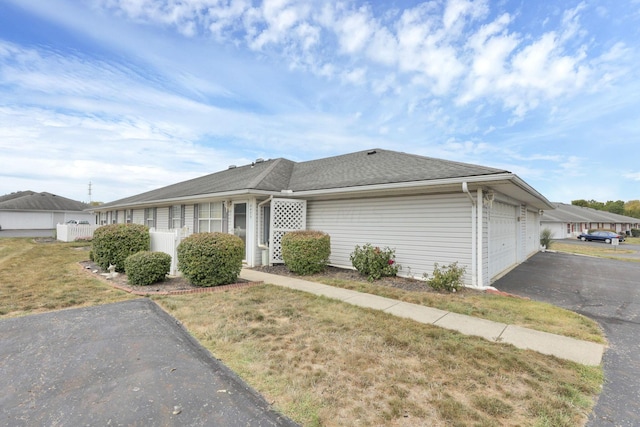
column 240, row 223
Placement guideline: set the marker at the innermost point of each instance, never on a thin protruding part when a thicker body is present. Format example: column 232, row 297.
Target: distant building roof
column 572, row 213
column 32, row 201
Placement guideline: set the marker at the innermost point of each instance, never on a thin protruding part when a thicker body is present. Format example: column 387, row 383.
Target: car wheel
column 607, row 240
column 584, row 239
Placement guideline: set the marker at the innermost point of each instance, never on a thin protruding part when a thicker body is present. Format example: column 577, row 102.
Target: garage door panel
column 502, row 238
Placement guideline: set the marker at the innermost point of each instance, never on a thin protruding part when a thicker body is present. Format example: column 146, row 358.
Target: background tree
column 632, row 208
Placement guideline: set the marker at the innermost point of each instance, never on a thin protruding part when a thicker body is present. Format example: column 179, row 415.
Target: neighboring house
column 568, row 221
column 28, row 210
column 428, row 210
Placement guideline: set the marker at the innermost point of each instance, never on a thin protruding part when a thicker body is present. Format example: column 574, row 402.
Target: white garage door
column 26, row 220
column 502, row 238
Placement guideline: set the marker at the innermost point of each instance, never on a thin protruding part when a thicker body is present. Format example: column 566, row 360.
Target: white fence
column 167, row 241
column 73, row 232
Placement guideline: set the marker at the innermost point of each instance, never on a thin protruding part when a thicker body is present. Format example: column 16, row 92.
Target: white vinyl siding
column 423, row 230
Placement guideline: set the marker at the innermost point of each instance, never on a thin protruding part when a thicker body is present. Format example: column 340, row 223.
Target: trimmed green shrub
column 545, row 238
column 144, row 268
column 374, row 262
column 447, row 278
column 211, row 259
column 306, row 251
column 635, row 232
column 113, row 243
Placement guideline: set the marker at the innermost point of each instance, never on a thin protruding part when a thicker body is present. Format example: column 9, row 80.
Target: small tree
column 546, row 238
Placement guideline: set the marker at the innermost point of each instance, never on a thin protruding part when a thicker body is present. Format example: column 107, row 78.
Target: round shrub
column 374, row 262
column 145, row 268
column 113, row 243
column 211, row 259
column 306, row 251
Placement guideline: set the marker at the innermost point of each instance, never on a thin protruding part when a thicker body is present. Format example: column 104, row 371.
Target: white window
column 150, row 217
column 129, row 218
column 210, row 217
column 176, row 216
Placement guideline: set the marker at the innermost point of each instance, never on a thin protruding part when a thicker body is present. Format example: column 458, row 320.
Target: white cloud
column 634, row 176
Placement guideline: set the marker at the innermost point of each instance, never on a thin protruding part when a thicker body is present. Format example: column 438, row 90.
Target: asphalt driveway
column 126, row 363
column 607, row 291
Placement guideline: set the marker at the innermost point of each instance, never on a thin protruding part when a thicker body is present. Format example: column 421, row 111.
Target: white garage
column 28, row 210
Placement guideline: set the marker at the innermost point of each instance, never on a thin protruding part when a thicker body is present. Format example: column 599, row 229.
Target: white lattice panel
column 286, row 215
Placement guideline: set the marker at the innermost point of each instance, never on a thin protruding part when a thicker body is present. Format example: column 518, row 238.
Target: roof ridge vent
column 371, row 152
column 232, row 166
column 259, row 160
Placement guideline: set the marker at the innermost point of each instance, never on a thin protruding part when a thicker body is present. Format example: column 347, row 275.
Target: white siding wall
column 558, row 229
column 423, row 230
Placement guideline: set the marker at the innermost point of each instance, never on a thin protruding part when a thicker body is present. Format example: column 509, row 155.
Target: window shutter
column 196, row 225
column 182, row 215
column 170, row 217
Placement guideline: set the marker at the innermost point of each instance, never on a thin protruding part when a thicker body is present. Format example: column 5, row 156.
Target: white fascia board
column 194, row 199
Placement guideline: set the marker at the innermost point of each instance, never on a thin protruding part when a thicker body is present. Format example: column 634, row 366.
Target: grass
column 514, row 311
column 323, row 362
column 40, row 277
column 601, row 251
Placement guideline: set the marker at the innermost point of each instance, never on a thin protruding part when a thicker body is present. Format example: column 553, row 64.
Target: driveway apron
column 607, row 291
column 127, row 363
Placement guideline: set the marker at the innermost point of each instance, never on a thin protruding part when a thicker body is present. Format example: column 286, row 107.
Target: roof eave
column 178, row 200
column 506, row 183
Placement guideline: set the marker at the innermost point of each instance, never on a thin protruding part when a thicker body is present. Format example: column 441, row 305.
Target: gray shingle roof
column 31, row 201
column 378, row 167
column 361, row 168
column 572, row 213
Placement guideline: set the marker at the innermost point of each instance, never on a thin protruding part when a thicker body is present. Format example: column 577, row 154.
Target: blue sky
column 132, row 95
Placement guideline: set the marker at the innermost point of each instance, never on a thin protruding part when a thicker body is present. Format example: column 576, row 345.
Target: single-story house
column 568, row 221
column 28, row 210
column 428, row 210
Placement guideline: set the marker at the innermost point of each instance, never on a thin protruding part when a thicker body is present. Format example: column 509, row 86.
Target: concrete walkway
column 584, row 352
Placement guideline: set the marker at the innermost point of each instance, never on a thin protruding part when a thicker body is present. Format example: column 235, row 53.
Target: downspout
column 474, row 268
column 479, row 240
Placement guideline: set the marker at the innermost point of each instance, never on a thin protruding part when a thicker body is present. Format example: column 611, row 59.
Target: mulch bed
column 404, row 283
column 172, row 285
